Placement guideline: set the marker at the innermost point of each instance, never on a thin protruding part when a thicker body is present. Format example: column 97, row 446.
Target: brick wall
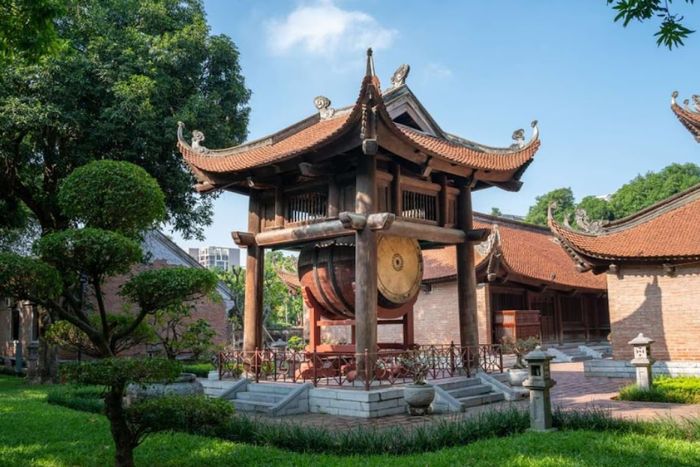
column 665, row 308
column 7, row 346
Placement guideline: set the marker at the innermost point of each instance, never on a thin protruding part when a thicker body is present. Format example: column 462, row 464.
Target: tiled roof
column 314, row 132
column 689, row 119
column 666, row 232
column 527, row 251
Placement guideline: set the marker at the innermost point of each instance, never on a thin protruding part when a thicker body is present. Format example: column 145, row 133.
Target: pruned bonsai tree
column 519, row 348
column 110, row 204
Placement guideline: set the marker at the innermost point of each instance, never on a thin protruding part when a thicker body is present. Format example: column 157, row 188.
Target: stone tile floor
column 573, row 391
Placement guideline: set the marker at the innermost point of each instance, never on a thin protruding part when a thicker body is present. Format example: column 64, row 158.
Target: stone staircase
column 578, row 352
column 261, row 398
column 456, row 395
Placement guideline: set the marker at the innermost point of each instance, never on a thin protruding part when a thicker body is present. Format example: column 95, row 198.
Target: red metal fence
column 341, row 368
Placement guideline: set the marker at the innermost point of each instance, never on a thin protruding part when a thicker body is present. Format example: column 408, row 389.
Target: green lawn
column 33, row 432
column 681, row 390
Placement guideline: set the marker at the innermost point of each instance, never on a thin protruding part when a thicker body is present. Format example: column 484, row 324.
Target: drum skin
column 328, row 273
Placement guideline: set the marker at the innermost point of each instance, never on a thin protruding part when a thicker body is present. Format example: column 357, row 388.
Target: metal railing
column 365, row 369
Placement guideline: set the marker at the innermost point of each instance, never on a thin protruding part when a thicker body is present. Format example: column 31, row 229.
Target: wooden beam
column 336, row 322
column 478, row 235
column 426, row 232
column 352, row 220
column 243, row 239
column 380, row 220
column 252, row 320
column 319, row 231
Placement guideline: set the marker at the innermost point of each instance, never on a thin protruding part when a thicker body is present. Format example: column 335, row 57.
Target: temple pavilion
column 360, row 191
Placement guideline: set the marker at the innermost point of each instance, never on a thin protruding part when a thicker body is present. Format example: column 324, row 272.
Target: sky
column 600, row 92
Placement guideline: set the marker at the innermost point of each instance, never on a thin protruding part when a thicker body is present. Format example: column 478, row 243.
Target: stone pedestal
column 539, row 383
column 33, row 360
column 642, row 360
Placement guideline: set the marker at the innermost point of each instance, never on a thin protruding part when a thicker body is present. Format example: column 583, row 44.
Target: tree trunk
column 121, row 434
column 48, row 362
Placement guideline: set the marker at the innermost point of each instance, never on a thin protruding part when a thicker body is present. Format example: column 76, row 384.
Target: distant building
column 216, row 257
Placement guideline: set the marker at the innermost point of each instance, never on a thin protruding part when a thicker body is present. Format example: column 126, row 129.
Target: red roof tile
column 527, row 251
column 665, row 232
column 689, row 119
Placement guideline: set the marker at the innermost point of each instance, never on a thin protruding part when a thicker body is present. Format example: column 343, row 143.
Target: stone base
column 544, row 430
column 357, row 402
column 624, row 369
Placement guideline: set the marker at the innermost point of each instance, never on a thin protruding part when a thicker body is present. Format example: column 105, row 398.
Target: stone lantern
column 642, row 360
column 32, row 359
column 539, row 382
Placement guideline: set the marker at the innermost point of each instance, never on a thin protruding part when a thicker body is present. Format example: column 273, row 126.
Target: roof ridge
column 516, row 223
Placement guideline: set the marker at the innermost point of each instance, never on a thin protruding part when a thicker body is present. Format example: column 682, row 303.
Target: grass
column 33, row 432
column 680, row 390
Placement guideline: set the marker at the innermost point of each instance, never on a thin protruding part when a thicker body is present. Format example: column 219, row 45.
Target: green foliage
column 519, row 348
column 596, row 208
column 10, row 371
column 679, row 390
column 118, row 372
column 28, row 278
column 496, row 212
column 83, row 398
column 296, row 343
column 193, row 414
column 672, row 31
column 95, row 252
column 157, row 289
column 178, row 334
column 200, row 369
column 27, row 29
column 102, row 194
column 645, row 190
column 129, row 71
column 564, row 199
column 65, row 335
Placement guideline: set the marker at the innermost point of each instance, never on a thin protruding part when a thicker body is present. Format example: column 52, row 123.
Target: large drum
column 328, row 272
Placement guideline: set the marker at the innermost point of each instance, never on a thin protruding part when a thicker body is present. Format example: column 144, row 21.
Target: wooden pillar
column 466, row 276
column 396, row 194
column 586, row 318
column 252, row 320
column 443, row 200
column 279, row 208
column 333, row 198
column 365, row 262
column 559, row 325
column 408, row 330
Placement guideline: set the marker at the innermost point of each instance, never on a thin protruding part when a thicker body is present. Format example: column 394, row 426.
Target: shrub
column 680, row 390
column 200, row 369
column 11, row 371
column 192, row 414
column 120, row 371
column 84, row 398
column 295, row 343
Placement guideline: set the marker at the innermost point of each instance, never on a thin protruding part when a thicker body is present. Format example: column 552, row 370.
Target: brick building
column 651, row 261
column 520, row 268
column 20, row 321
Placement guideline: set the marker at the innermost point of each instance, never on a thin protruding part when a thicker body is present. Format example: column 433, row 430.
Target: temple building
column 651, row 261
column 360, row 192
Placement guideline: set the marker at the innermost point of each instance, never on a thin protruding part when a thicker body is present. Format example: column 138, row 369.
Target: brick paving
column 573, row 391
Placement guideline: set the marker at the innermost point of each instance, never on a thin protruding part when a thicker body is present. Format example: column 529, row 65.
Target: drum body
column 328, row 273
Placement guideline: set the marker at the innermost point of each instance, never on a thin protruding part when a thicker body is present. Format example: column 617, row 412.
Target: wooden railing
column 341, row 368
column 422, row 206
column 306, row 207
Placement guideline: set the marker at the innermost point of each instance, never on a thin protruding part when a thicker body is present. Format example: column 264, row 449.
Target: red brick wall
column 7, row 346
column 663, row 307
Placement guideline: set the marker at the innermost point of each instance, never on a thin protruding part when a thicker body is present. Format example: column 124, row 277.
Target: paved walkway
column 573, row 391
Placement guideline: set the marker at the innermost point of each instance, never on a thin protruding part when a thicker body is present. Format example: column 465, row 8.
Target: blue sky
column 482, row 68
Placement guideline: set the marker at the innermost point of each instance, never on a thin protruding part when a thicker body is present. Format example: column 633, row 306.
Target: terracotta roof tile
column 527, row 251
column 667, row 231
column 689, row 119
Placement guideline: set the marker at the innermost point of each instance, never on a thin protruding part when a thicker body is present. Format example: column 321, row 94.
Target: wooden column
column 466, row 276
column 365, row 262
column 279, row 208
column 408, row 335
column 333, row 198
column 252, row 320
column 396, row 194
column 559, row 324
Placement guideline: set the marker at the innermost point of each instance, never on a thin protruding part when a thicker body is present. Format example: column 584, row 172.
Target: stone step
column 474, row 390
column 272, row 388
column 267, row 397
column 458, row 384
column 481, row 399
column 502, row 377
column 251, row 406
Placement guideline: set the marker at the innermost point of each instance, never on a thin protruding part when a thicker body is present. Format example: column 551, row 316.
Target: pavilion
column 379, row 168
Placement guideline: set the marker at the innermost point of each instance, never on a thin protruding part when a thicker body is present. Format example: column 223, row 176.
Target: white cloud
column 436, row 70
column 322, row 28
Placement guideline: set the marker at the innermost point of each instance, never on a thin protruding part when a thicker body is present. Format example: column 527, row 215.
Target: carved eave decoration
column 690, row 118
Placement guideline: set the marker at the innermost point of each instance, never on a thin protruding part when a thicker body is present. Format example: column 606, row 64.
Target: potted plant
column 520, row 347
column 420, row 394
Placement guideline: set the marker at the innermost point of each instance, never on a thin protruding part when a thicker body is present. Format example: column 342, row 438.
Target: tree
column 128, row 72
column 496, row 212
column 671, row 32
column 27, row 29
column 645, row 190
column 179, row 334
column 597, row 208
column 564, row 199
column 102, row 240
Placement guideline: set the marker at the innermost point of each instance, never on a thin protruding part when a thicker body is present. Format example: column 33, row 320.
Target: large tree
column 562, row 197
column 129, row 70
column 72, row 265
column 27, row 29
column 672, row 30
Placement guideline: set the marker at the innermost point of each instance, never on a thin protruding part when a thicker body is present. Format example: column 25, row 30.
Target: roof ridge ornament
column 370, row 63
column 488, row 245
column 674, row 96
column 400, row 75
column 323, row 104
column 519, row 136
column 197, row 138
